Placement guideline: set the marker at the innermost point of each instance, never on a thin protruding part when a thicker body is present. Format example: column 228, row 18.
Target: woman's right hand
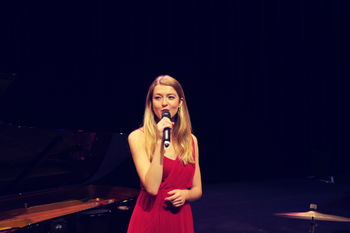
column 165, row 122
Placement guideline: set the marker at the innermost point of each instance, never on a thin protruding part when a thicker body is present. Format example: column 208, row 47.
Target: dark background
column 265, row 81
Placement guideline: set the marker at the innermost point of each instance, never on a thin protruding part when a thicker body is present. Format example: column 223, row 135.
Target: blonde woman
column 170, row 176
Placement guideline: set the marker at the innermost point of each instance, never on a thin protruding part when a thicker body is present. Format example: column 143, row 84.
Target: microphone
column 166, row 133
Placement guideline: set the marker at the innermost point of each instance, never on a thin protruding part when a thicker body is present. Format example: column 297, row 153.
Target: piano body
column 54, row 180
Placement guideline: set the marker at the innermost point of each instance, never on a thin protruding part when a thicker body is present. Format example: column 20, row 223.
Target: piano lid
column 34, row 158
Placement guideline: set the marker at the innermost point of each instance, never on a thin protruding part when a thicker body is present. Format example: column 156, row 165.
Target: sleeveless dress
column 152, row 214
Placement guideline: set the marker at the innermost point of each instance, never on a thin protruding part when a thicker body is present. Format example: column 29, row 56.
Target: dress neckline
column 170, row 158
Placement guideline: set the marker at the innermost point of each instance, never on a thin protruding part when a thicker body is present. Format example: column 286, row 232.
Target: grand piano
column 59, row 176
column 64, row 180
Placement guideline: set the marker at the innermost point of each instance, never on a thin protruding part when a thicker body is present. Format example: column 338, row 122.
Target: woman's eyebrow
column 170, row 93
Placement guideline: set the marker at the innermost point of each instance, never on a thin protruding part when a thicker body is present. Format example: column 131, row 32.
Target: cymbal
column 315, row 215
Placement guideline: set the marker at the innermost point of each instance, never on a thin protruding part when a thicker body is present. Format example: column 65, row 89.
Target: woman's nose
column 164, row 102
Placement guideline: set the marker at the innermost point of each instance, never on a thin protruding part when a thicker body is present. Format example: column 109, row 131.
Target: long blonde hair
column 182, row 130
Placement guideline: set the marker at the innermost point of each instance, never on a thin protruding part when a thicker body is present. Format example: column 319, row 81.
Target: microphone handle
column 166, row 137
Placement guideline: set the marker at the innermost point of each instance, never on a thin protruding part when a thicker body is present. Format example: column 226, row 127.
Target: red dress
column 152, row 214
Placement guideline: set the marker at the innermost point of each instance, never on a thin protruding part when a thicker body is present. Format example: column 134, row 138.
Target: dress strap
column 193, row 149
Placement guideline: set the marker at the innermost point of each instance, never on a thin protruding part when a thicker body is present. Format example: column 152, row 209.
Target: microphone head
column 166, row 143
column 166, row 113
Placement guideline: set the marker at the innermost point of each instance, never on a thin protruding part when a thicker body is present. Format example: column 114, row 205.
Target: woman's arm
column 196, row 191
column 150, row 172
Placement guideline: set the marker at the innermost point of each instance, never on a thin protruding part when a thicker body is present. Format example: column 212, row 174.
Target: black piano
column 64, row 180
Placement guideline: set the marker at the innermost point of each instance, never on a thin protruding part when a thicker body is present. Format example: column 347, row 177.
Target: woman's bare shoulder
column 137, row 134
column 194, row 138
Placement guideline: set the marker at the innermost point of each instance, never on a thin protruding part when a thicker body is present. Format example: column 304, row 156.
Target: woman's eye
column 157, row 97
column 171, row 97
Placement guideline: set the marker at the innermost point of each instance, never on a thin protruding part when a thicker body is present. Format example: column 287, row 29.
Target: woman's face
column 165, row 98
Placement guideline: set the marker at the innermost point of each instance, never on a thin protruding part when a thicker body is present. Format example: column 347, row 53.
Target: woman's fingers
column 178, row 197
column 172, row 198
column 178, row 203
column 162, row 124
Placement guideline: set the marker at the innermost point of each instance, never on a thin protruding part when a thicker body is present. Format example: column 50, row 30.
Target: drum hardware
column 313, row 216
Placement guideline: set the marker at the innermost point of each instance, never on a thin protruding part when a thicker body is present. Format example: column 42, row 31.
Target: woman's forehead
column 163, row 89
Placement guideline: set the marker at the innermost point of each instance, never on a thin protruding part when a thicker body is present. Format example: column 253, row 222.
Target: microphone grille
column 166, row 113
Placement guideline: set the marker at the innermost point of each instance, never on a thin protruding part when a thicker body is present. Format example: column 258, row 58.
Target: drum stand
column 314, row 215
column 313, row 225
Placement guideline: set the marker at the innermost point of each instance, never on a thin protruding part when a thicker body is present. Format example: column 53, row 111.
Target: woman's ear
column 181, row 101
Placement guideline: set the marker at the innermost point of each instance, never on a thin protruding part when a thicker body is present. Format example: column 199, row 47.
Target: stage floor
column 250, row 206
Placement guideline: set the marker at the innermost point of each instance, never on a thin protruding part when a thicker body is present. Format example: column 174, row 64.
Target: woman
column 170, row 176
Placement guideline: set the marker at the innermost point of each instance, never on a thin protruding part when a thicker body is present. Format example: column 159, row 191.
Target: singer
column 168, row 168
